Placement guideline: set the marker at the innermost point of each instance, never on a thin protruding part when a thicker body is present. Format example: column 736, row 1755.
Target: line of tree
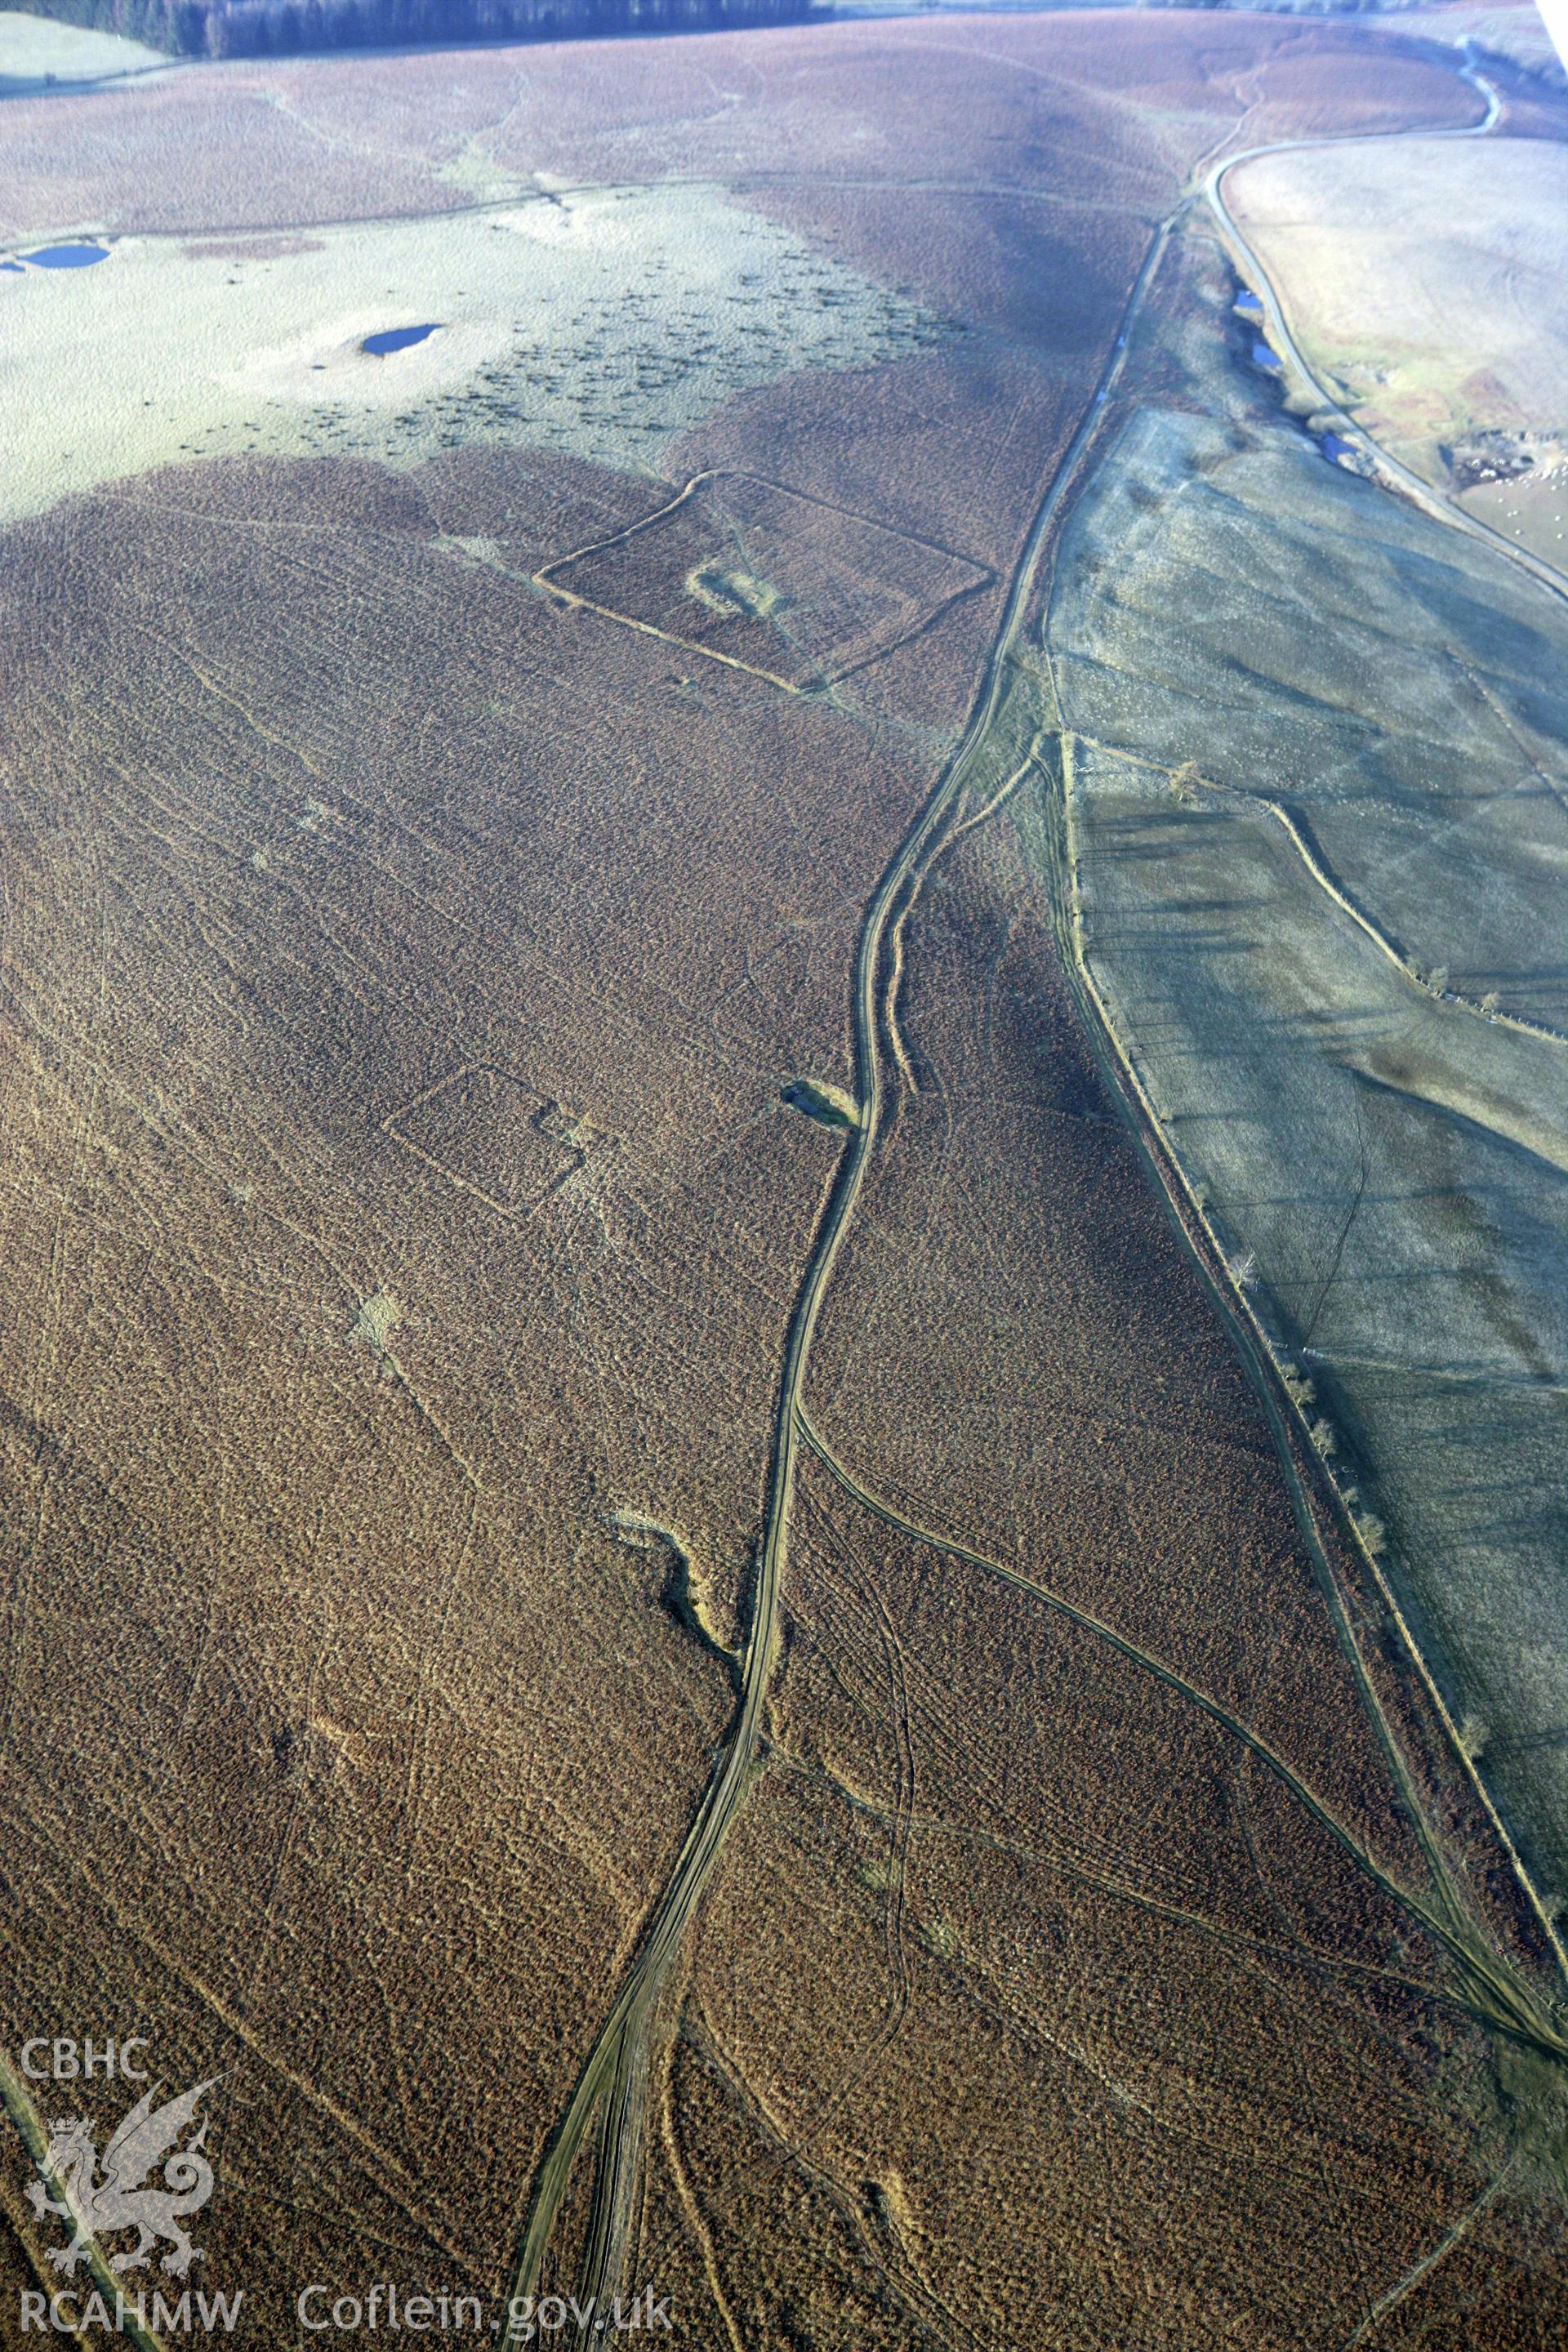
column 250, row 28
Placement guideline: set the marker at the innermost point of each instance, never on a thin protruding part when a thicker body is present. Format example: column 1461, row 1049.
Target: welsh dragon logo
column 120, row 2197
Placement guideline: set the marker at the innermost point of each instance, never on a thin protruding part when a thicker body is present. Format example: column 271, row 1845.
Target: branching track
column 607, row 2074
column 1491, row 1991
column 612, row 2088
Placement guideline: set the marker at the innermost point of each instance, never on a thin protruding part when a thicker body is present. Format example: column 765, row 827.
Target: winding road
column 613, row 2084
column 613, row 2068
column 1282, row 337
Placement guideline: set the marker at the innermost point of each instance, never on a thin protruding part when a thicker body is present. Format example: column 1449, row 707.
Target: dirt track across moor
column 615, row 2074
column 611, row 2067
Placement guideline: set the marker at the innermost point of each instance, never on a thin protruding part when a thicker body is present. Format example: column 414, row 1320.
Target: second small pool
column 398, row 339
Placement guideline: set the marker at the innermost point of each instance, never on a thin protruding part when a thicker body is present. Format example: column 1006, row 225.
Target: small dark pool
column 1249, row 304
column 1335, row 445
column 398, row 339
column 1268, row 361
column 67, row 256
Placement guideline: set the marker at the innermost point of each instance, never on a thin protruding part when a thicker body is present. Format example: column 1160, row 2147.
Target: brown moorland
column 1097, row 107
column 403, row 1226
column 323, row 1449
column 735, row 562
column 979, row 1802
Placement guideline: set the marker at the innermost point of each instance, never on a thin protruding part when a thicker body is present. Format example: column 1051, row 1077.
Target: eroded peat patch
column 745, row 571
column 475, row 1099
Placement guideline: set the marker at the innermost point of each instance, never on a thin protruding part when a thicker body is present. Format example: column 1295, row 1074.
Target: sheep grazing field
column 780, row 1186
